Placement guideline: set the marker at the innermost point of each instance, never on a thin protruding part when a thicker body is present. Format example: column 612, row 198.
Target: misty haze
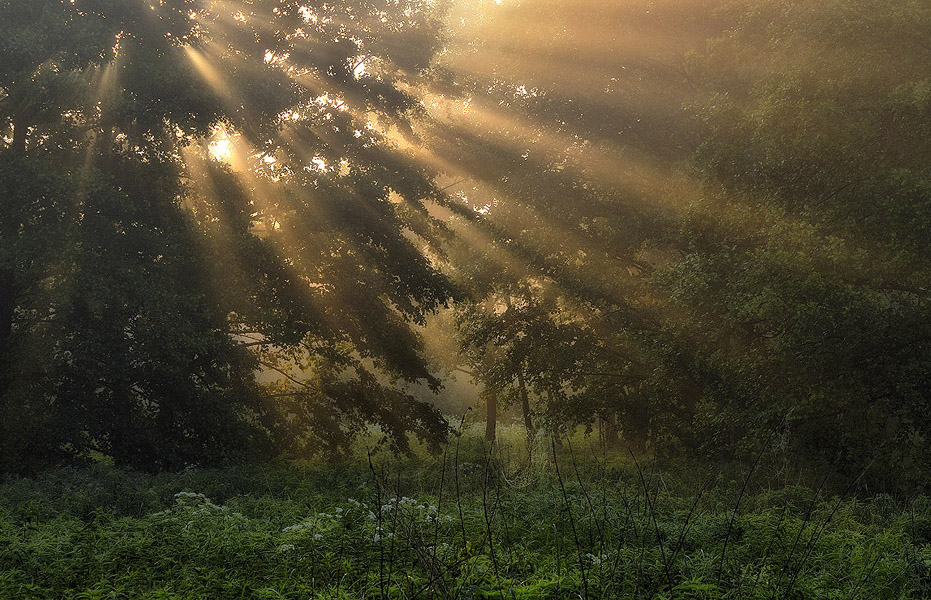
column 464, row 299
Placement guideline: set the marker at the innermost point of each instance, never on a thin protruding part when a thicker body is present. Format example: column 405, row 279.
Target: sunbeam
column 400, row 297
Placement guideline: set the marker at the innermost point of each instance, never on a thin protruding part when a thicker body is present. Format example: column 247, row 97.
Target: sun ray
column 459, row 132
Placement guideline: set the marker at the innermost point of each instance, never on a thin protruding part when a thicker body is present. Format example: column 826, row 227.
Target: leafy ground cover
column 466, row 524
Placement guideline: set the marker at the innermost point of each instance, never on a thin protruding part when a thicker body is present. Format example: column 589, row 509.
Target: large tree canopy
column 143, row 282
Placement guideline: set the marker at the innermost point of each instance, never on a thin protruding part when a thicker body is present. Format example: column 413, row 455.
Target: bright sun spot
column 359, row 69
column 221, row 149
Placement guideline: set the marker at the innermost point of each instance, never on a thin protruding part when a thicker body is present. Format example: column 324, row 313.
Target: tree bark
column 491, row 415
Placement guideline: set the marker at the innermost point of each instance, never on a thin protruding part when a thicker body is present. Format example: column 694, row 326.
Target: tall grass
column 558, row 520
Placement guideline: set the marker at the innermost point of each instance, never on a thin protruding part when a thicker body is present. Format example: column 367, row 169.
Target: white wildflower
column 190, row 495
column 297, row 527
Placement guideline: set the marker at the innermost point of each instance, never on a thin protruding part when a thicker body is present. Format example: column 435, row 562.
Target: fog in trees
column 562, row 241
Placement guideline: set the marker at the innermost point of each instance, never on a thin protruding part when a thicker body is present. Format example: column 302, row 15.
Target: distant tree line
column 768, row 284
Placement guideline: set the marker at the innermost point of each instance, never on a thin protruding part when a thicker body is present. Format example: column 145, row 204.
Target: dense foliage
column 468, row 527
column 724, row 236
column 143, row 283
column 804, row 278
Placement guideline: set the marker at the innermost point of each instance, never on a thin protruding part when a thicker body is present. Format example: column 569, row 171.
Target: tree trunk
column 20, row 130
column 525, row 404
column 491, row 415
column 636, row 441
column 609, row 425
column 7, row 278
column 7, row 306
column 554, row 428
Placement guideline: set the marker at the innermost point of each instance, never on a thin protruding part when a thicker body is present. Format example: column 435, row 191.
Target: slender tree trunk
column 20, row 130
column 491, row 415
column 7, row 300
column 525, row 404
column 7, row 306
column 609, row 425
column 7, row 291
column 554, row 429
column 524, row 399
column 637, row 441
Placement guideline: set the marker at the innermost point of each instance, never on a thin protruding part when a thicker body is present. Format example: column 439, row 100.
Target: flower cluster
column 397, row 504
column 597, row 560
column 298, row 527
column 403, row 507
column 193, row 507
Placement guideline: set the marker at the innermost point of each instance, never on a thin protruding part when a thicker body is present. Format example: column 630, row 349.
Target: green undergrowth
column 466, row 524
